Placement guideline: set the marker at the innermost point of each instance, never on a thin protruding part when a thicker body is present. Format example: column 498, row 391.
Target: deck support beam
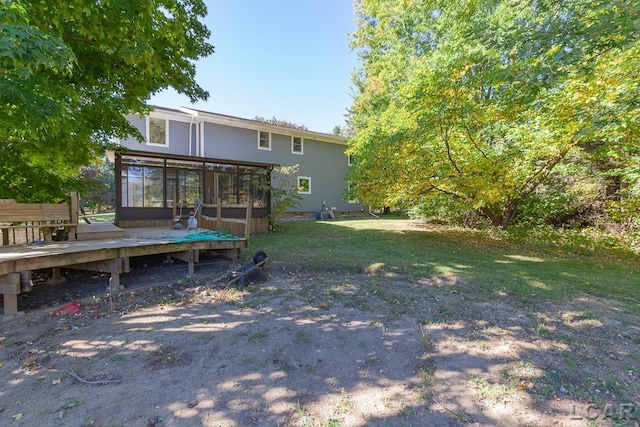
column 107, row 256
column 10, row 288
column 114, row 266
column 56, row 276
column 188, row 257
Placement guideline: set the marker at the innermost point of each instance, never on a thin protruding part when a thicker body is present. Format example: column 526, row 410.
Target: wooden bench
column 29, row 222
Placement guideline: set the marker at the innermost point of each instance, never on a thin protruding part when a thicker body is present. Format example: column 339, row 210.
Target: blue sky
column 288, row 59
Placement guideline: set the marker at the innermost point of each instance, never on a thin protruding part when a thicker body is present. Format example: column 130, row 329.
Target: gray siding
column 178, row 138
column 326, row 165
column 140, row 124
column 231, row 143
column 323, row 161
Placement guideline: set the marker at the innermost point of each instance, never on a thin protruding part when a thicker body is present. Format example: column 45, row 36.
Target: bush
column 446, row 210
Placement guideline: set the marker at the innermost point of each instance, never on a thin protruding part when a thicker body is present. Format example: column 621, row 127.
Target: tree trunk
column 503, row 218
column 495, row 220
column 612, row 188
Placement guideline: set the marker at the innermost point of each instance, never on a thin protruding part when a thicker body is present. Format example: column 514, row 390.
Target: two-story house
column 193, row 155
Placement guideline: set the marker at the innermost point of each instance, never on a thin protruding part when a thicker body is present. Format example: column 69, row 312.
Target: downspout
column 190, row 138
column 193, row 115
column 201, row 139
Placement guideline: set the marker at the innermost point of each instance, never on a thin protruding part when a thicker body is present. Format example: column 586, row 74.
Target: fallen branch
column 83, row 381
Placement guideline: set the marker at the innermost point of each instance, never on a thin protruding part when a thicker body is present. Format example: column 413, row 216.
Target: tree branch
column 445, row 139
column 74, row 375
column 537, row 178
column 473, row 140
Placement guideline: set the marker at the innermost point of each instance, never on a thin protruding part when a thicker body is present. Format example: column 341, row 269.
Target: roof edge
column 223, row 119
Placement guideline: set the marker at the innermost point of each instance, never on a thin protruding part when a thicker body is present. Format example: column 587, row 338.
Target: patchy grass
column 380, row 322
column 566, row 296
column 103, row 217
column 531, row 266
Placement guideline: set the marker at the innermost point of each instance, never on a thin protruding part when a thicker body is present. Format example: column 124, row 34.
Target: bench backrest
column 34, row 212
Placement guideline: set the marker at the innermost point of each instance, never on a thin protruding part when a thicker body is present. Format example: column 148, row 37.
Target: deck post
column 247, row 224
column 126, row 265
column 188, row 257
column 10, row 304
column 115, row 268
column 218, row 200
column 25, row 281
column 56, row 276
column 10, row 288
column 192, row 266
column 75, row 208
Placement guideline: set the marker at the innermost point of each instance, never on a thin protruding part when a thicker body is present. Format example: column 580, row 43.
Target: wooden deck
column 110, row 255
column 98, row 230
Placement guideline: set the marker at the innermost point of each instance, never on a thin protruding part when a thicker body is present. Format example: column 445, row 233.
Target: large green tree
column 475, row 102
column 71, row 70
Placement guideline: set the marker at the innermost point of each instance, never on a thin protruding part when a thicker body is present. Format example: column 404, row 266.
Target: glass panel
column 141, row 161
column 259, row 190
column 245, row 187
column 134, row 186
column 172, row 187
column 189, row 186
column 184, row 182
column 253, row 180
column 125, row 192
column 184, row 164
column 304, row 185
column 297, row 144
column 264, row 140
column 153, row 187
column 228, row 189
column 142, row 187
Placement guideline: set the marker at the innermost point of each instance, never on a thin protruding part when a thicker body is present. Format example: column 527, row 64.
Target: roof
column 239, row 122
column 197, row 159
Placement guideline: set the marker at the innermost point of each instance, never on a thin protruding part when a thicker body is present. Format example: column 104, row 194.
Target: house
column 198, row 155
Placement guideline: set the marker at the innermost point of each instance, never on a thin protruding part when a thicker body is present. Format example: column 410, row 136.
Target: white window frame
column 259, row 139
column 349, row 162
column 308, row 178
column 166, row 132
column 301, row 152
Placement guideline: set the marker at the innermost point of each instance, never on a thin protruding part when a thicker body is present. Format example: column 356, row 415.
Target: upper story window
column 157, row 131
column 351, row 158
column 297, row 145
column 264, row 140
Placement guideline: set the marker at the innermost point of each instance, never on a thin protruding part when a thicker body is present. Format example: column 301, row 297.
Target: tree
column 478, row 101
column 343, row 131
column 71, row 71
column 98, row 189
column 282, row 123
column 284, row 193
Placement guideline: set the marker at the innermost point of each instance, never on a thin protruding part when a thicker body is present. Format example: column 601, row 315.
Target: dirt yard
column 314, row 349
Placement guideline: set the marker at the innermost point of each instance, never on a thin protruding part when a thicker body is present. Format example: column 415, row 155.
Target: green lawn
column 103, row 217
column 526, row 265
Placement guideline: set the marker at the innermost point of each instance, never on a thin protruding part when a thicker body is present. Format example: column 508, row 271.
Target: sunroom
column 153, row 189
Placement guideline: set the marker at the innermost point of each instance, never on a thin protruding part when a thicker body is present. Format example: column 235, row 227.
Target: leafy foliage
column 98, row 189
column 281, row 123
column 284, row 193
column 72, row 70
column 482, row 99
